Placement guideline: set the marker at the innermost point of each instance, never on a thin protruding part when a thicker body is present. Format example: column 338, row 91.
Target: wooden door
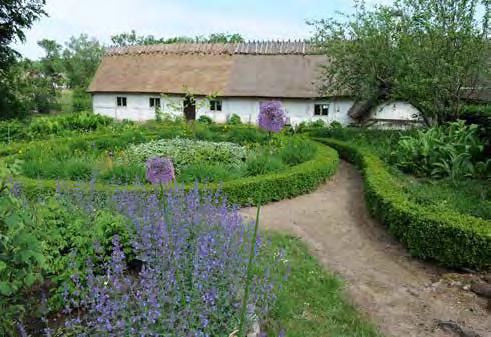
column 189, row 108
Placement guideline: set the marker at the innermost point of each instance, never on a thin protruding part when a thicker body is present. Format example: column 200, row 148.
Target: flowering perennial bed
column 193, row 252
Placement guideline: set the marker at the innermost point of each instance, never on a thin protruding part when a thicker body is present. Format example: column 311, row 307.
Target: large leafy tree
column 431, row 53
column 15, row 16
column 81, row 57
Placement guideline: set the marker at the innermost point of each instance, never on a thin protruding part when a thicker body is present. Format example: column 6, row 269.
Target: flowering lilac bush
column 160, row 170
column 271, row 116
column 192, row 251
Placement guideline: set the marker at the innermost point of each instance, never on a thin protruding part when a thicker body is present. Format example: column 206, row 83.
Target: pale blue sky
column 254, row 19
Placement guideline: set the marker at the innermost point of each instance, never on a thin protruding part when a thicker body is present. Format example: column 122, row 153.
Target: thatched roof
column 262, row 69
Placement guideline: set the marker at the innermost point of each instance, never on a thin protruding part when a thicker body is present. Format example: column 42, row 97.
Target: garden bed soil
column 402, row 295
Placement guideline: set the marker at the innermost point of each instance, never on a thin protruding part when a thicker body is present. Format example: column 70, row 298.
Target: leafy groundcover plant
column 189, row 275
column 185, row 152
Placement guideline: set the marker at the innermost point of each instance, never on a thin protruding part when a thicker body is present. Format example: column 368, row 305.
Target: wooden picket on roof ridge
column 242, row 48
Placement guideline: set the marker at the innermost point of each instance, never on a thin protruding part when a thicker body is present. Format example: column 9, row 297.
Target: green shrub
column 234, row 119
column 296, row 151
column 56, row 160
column 82, row 121
column 209, row 173
column 22, row 261
column 12, row 130
column 246, row 135
column 203, row 119
column 335, row 125
column 441, row 151
column 451, row 238
column 81, row 100
column 70, row 232
column 307, row 126
column 263, row 163
column 124, row 174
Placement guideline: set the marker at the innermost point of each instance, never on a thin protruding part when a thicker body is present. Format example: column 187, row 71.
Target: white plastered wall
column 297, row 110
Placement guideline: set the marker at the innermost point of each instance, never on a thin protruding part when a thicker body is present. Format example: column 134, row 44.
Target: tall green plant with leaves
column 452, row 151
column 21, row 254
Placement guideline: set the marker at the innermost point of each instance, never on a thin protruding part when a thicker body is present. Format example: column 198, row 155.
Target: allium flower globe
column 160, row 170
column 271, row 116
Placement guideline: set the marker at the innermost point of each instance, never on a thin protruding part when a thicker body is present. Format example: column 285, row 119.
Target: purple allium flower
column 160, row 170
column 271, row 116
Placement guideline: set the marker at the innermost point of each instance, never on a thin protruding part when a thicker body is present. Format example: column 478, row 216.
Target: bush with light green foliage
column 234, row 119
column 82, row 121
column 306, row 126
column 22, row 261
column 203, row 119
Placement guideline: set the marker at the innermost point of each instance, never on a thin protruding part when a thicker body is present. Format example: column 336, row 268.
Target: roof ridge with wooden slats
column 242, row 48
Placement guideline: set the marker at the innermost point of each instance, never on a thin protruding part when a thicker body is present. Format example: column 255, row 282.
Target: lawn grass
column 313, row 301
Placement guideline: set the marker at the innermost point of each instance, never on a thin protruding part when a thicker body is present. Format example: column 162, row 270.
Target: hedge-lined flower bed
column 451, row 238
column 292, row 181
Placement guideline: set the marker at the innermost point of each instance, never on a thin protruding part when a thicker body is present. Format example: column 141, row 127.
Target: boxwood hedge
column 291, row 182
column 453, row 239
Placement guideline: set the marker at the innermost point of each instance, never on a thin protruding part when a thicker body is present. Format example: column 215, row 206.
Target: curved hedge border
column 451, row 238
column 291, row 182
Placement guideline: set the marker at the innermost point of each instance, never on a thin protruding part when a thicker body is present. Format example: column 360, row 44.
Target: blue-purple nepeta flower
column 160, row 170
column 193, row 256
column 271, row 116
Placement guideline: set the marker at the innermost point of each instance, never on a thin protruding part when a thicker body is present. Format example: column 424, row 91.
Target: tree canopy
column 431, row 53
column 15, row 16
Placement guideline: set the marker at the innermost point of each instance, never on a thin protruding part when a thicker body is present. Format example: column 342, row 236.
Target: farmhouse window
column 121, row 101
column 215, row 105
column 154, row 102
column 321, row 109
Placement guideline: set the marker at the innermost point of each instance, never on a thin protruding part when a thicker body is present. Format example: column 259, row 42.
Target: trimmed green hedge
column 451, row 238
column 293, row 181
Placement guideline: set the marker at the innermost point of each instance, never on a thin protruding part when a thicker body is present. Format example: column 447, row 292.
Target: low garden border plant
column 453, row 239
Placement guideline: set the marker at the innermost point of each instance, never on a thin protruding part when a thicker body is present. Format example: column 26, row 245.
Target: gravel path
column 403, row 296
